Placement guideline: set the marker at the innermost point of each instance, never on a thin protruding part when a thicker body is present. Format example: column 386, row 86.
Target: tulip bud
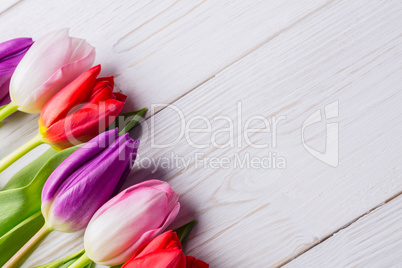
column 61, row 126
column 63, row 123
column 164, row 251
column 52, row 62
column 192, row 262
column 86, row 180
column 130, row 219
column 11, row 53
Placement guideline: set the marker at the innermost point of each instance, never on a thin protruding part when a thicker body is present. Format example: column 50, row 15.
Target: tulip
column 59, row 127
column 11, row 53
column 164, row 251
column 192, row 262
column 81, row 185
column 52, row 62
column 127, row 221
column 76, row 114
column 86, row 180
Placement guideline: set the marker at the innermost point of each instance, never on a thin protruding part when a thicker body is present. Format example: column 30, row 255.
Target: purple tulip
column 86, row 180
column 11, row 53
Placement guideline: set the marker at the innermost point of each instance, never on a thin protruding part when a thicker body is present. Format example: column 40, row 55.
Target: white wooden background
column 286, row 57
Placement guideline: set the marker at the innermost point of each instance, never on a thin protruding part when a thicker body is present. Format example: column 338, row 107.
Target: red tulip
column 192, row 262
column 80, row 111
column 164, row 251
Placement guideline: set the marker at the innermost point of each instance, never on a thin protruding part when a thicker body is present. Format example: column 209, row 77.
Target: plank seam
column 342, row 228
column 10, row 7
column 244, row 55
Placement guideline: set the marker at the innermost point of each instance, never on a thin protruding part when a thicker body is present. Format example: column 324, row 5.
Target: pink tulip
column 129, row 220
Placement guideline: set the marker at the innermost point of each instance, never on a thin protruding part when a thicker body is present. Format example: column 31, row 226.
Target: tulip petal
column 119, row 96
column 4, row 97
column 13, row 47
column 109, row 79
column 126, row 193
column 118, row 240
column 167, row 240
column 11, row 53
column 69, row 97
column 128, row 169
column 192, row 262
column 141, row 198
column 166, row 258
column 80, row 50
column 47, row 54
column 6, row 71
column 102, row 91
column 9, row 63
column 62, row 77
column 52, row 62
column 87, row 151
column 123, row 256
column 96, row 180
column 82, row 125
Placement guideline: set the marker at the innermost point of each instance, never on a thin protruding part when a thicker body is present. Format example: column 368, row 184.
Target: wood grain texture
column 7, row 4
column 160, row 50
column 374, row 240
column 347, row 51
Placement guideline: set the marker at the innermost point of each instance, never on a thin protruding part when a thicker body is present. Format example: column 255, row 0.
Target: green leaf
column 91, row 265
column 14, row 239
column 136, row 117
column 123, row 121
column 24, row 176
column 65, row 265
column 184, row 230
column 129, row 120
column 67, row 261
column 18, row 205
column 20, row 199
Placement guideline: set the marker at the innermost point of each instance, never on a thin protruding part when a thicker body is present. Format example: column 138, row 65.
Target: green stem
column 60, row 262
column 28, row 247
column 83, row 261
column 8, row 110
column 21, row 151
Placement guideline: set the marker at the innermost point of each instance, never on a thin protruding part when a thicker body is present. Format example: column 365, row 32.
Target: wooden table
column 316, row 85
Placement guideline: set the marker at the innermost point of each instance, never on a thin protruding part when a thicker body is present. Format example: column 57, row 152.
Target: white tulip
column 52, row 62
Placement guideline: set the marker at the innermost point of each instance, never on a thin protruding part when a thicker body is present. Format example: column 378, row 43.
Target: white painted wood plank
column 375, row 240
column 167, row 39
column 158, row 50
column 348, row 52
column 7, row 4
